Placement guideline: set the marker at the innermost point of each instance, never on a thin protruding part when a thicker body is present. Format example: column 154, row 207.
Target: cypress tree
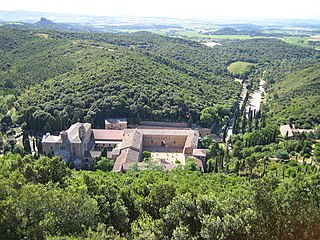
column 26, row 142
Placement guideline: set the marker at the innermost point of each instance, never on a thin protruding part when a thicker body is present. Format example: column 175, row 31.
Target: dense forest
column 296, row 98
column 59, row 77
column 44, row 199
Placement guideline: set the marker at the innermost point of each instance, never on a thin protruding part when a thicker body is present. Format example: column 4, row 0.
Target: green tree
column 104, row 152
column 206, row 142
column 191, row 165
column 105, row 164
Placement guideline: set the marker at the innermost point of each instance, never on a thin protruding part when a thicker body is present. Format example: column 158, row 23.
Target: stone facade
column 116, row 123
column 71, row 145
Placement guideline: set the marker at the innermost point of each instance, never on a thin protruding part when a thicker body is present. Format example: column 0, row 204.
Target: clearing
column 240, row 67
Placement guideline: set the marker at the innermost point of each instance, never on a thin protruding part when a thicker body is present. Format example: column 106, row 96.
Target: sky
column 275, row 9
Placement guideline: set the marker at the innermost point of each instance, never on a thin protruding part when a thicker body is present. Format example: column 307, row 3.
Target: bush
column 281, row 154
column 191, row 165
column 293, row 163
column 293, row 173
column 105, row 164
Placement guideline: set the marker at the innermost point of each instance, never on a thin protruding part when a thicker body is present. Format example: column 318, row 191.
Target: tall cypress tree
column 26, row 142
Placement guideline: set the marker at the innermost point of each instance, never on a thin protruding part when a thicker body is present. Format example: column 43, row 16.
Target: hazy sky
column 174, row 8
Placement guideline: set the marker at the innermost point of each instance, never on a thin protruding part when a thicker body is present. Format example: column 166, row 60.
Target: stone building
column 71, row 145
column 290, row 131
column 81, row 146
column 116, row 123
column 168, row 147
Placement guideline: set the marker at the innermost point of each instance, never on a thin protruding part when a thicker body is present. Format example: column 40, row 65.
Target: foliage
column 281, row 154
column 105, row 164
column 93, row 75
column 153, row 204
column 296, row 98
column 317, row 152
column 191, row 164
column 146, row 155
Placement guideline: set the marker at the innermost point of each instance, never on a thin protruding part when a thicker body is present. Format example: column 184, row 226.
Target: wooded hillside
column 59, row 77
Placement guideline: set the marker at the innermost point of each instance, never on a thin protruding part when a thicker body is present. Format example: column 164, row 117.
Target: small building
column 116, row 123
column 290, row 131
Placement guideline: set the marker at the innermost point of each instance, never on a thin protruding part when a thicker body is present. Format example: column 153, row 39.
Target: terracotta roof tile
column 105, row 134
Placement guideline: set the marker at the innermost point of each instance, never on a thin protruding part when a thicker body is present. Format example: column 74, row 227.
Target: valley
column 159, row 128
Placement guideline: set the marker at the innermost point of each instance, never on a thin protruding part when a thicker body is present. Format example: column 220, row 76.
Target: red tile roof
column 105, row 134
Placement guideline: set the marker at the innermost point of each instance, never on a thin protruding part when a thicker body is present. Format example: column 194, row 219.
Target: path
column 253, row 102
column 255, row 98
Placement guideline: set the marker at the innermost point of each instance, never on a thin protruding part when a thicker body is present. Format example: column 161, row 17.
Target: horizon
column 165, row 17
column 247, row 9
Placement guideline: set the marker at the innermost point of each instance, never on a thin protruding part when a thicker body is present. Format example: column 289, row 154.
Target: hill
column 44, row 22
column 83, row 79
column 62, row 76
column 297, row 98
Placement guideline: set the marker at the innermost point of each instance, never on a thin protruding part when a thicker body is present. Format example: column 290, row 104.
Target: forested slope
column 61, row 76
column 296, row 98
column 70, row 79
column 54, row 78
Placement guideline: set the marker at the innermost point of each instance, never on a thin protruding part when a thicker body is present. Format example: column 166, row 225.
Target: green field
column 200, row 35
column 301, row 41
column 239, row 67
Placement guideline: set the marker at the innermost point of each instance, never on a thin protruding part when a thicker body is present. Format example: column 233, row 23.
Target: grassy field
column 240, row 67
column 200, row 35
column 302, row 41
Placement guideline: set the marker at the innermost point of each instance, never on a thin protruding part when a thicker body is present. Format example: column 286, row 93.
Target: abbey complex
column 82, row 145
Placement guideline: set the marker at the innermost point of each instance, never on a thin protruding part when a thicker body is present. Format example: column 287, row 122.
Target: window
column 151, row 141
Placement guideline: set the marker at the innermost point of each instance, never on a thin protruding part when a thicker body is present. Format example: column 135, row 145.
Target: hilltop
column 44, row 22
